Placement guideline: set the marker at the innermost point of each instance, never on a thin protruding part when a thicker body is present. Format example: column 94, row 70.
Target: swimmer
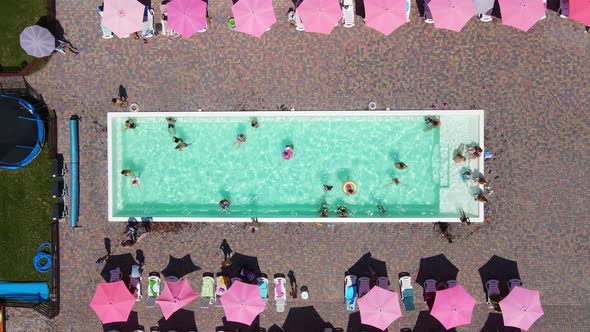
column 171, row 125
column 342, row 211
column 254, row 123
column 240, row 139
column 129, row 124
column 327, row 188
column 395, row 181
column 288, row 152
column 324, row 209
column 466, row 176
column 349, row 190
column 432, row 122
column 224, row 205
column 381, row 209
column 135, row 180
column 180, row 144
column 474, row 152
column 126, row 172
column 401, row 166
column 459, row 157
column 480, row 198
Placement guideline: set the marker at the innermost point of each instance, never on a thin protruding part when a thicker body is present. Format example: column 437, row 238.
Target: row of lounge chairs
column 355, row 288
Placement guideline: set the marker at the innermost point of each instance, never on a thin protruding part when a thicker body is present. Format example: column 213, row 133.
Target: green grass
column 26, row 208
column 15, row 16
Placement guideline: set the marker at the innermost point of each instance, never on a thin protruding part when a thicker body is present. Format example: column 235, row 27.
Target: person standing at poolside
column 226, row 250
column 171, row 125
column 400, row 165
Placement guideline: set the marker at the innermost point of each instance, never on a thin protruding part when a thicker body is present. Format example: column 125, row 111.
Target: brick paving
column 533, row 87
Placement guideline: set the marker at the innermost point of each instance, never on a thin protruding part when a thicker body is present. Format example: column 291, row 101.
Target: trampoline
column 22, row 132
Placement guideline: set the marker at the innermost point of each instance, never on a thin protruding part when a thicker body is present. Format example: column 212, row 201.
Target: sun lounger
column 221, row 286
column 280, row 291
column 383, row 282
column 564, row 8
column 408, row 7
column 59, row 189
column 406, row 291
column 430, row 286
column 493, row 294
column 135, row 283
column 347, row 13
column 58, row 168
column 298, row 23
column 427, row 14
column 153, row 288
column 364, row 286
column 350, row 292
column 207, row 290
column 148, row 23
column 512, row 283
column 116, row 275
column 106, row 32
column 451, row 283
column 262, row 282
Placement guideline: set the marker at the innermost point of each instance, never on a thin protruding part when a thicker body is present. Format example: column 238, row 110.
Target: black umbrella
column 181, row 321
column 303, row 319
column 179, row 267
column 275, row 328
column 366, row 266
column 355, row 325
column 123, row 262
column 427, row 323
column 132, row 324
column 501, row 269
column 495, row 323
column 235, row 326
column 239, row 262
column 436, row 267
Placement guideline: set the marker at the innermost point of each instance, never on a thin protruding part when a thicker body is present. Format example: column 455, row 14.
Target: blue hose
column 42, row 260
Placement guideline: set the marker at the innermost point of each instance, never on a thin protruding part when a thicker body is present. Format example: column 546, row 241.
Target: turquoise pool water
column 260, row 183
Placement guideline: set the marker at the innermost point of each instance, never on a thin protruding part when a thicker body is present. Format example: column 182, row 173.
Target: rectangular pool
column 329, row 148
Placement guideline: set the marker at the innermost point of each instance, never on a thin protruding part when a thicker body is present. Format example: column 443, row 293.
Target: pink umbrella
column 385, row 15
column 451, row 14
column 379, row 308
column 580, row 11
column 187, row 16
column 112, row 302
column 254, row 17
column 123, row 17
column 242, row 303
column 521, row 308
column 319, row 15
column 453, row 307
column 521, row 14
column 174, row 296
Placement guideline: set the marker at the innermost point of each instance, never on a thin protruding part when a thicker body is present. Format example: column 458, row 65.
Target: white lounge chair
column 153, row 288
column 512, row 283
column 492, row 293
column 564, row 8
column 347, row 13
column 135, row 283
column 221, row 286
column 298, row 23
column 364, row 284
column 406, row 291
column 451, row 283
column 116, row 275
column 262, row 282
column 280, row 291
column 207, row 290
column 383, row 282
column 350, row 292
column 148, row 23
column 408, row 7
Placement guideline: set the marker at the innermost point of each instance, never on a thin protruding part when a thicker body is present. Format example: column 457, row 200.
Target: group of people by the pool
column 349, row 187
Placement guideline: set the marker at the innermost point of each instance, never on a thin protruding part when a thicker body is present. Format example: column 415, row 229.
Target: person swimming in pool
column 401, row 166
column 480, row 198
column 466, row 176
column 241, row 138
column 288, row 152
column 342, row 211
column 171, row 125
column 459, row 157
column 135, row 180
column 224, row 205
column 130, row 124
column 395, row 181
column 474, row 152
column 432, row 121
column 328, row 188
column 324, row 212
column 126, row 172
column 254, row 123
column 180, row 144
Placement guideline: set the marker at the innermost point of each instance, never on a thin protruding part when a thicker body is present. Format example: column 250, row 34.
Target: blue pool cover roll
column 24, row 291
column 74, row 181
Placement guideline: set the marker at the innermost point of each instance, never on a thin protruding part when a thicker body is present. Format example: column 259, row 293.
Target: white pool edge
column 111, row 115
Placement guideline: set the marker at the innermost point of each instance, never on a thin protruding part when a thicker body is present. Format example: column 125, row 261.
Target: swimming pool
column 329, row 148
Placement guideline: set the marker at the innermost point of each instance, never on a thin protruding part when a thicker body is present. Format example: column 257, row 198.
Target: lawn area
column 25, row 217
column 15, row 16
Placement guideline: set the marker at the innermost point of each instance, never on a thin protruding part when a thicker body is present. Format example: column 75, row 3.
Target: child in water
column 171, row 125
column 180, row 144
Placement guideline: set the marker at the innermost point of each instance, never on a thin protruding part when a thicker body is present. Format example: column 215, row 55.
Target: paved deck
column 533, row 86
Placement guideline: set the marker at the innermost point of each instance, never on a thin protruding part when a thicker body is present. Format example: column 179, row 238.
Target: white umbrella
column 37, row 41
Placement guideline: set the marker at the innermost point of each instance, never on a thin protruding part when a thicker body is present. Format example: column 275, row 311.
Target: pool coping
column 331, row 220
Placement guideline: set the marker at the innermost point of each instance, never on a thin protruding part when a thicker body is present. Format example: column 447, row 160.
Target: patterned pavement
column 533, row 87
